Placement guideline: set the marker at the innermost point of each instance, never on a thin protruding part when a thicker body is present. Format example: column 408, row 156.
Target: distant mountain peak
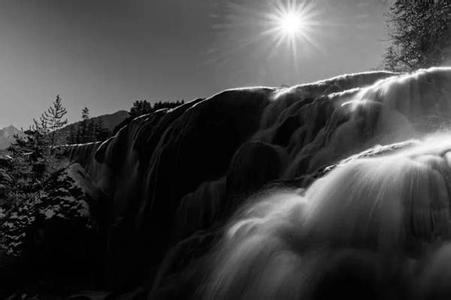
column 110, row 121
column 7, row 136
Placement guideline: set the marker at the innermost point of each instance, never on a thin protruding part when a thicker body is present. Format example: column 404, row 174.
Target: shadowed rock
column 174, row 177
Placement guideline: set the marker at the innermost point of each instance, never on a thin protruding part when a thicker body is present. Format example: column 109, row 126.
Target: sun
column 274, row 31
column 291, row 23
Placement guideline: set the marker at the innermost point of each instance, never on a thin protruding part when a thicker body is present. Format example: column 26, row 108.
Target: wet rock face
column 181, row 173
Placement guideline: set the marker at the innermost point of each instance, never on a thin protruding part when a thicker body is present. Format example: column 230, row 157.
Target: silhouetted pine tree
column 159, row 105
column 140, row 107
column 35, row 155
column 52, row 120
column 84, row 130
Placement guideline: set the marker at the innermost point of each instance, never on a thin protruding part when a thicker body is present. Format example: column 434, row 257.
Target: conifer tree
column 140, row 107
column 85, row 128
column 101, row 133
column 420, row 34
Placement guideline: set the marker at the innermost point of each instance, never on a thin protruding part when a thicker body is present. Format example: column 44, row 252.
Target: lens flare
column 293, row 23
column 273, row 35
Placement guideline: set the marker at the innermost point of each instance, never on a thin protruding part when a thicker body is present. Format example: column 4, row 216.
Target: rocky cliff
column 172, row 179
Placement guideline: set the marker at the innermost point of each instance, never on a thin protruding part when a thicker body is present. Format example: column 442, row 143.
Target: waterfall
column 375, row 227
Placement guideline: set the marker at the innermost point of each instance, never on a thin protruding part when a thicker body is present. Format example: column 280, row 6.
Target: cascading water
column 376, row 226
column 372, row 228
column 354, row 233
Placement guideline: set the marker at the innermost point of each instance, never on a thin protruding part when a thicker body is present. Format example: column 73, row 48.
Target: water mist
column 362, row 231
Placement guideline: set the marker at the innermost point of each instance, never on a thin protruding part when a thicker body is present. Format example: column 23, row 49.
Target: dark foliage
column 420, row 34
column 142, row 107
column 41, row 205
column 89, row 130
column 51, row 120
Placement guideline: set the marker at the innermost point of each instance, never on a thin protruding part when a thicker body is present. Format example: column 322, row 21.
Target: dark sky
column 104, row 54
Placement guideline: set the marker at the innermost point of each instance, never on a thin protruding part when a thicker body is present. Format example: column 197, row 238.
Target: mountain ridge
column 109, row 121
